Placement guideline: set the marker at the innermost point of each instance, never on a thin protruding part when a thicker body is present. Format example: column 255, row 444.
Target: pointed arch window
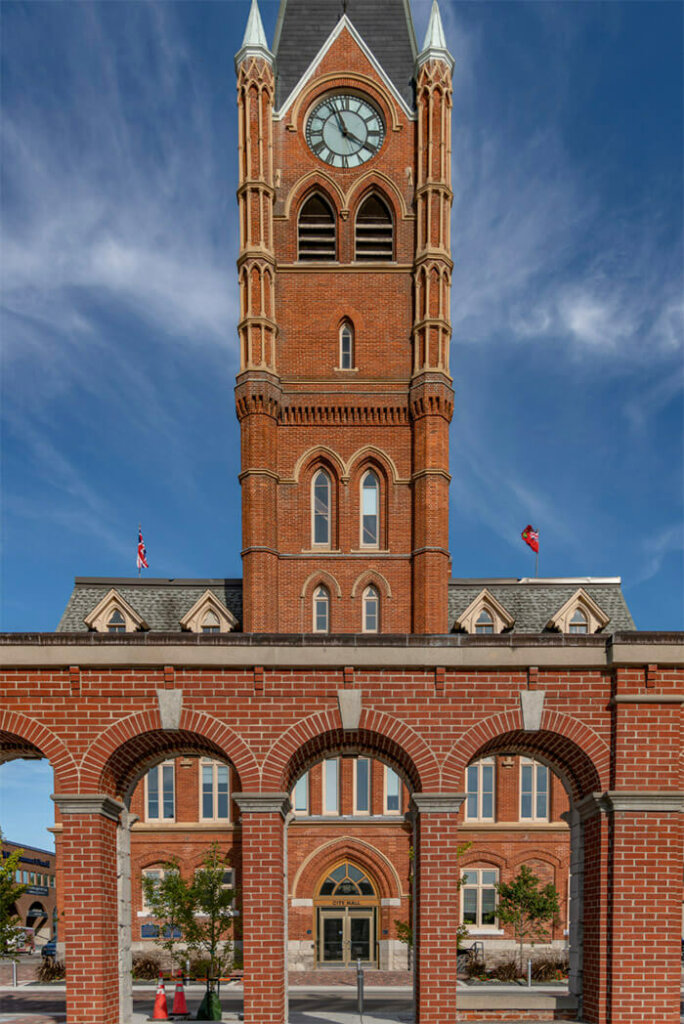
column 374, row 230
column 346, row 346
column 484, row 622
column 321, row 610
column 116, row 622
column 320, row 509
column 316, row 230
column 578, row 622
column 370, row 510
column 371, row 610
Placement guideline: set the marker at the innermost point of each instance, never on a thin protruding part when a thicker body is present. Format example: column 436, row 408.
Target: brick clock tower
column 344, row 395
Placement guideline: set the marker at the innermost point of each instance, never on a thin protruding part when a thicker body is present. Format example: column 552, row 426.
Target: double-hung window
column 392, row 792
column 534, row 791
column 215, row 781
column 331, row 786
column 478, row 897
column 160, row 792
column 480, row 790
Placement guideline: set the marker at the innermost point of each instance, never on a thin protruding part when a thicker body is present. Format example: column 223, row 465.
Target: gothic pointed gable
column 115, row 610
column 384, row 26
column 208, row 609
column 580, row 608
column 485, row 602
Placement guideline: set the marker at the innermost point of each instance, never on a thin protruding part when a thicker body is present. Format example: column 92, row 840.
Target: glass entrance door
column 346, row 936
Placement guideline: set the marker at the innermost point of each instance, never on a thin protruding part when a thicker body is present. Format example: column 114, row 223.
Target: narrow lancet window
column 321, row 610
column 371, row 610
column 346, row 347
column 370, row 505
column 321, row 509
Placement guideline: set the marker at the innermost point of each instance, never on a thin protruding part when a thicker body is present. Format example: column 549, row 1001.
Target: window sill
column 473, row 930
column 346, row 369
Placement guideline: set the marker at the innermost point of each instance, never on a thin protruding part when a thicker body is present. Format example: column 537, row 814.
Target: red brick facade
column 604, row 711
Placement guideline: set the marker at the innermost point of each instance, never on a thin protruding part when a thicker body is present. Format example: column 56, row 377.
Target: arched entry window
column 316, row 235
column 347, row 908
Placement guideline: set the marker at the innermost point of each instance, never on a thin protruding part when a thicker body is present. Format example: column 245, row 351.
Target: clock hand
column 340, row 121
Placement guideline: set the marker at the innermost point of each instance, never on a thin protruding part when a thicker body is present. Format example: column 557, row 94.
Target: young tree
column 10, row 891
column 528, row 907
column 211, row 929
column 169, row 898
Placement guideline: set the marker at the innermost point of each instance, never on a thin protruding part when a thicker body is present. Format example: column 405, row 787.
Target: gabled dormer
column 208, row 615
column 485, row 615
column 113, row 614
column 579, row 615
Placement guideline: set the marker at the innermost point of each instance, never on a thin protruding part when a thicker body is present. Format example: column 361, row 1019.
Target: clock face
column 345, row 130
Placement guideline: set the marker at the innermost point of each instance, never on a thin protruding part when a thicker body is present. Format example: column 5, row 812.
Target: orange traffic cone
column 161, row 1011
column 180, row 1007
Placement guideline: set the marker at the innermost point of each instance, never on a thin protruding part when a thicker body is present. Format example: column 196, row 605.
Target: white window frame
column 372, row 545
column 480, row 886
column 160, row 789
column 479, row 765
column 321, row 544
column 303, row 782
column 324, row 781
column 365, row 601
column 369, row 789
column 536, row 766
column 347, row 326
column 385, row 795
column 487, row 626
column 206, row 762
column 320, row 594
column 578, row 626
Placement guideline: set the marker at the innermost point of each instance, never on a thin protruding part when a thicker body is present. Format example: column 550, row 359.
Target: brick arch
column 310, row 183
column 535, row 854
column 320, row 576
column 376, row 181
column 368, row 857
column 379, row 735
column 119, row 755
column 20, row 735
column 569, row 746
column 482, row 856
column 320, row 453
column 372, row 457
column 366, row 578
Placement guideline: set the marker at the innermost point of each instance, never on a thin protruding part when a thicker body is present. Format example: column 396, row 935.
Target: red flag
column 142, row 553
column 531, row 537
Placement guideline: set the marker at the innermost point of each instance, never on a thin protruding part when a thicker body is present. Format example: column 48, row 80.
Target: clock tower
column 344, row 395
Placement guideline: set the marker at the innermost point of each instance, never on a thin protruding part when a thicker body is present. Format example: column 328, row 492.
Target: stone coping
column 233, row 650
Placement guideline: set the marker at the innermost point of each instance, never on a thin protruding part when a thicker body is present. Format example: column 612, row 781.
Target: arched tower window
column 370, row 510
column 316, row 230
column 578, row 622
column 374, row 230
column 484, row 622
column 321, row 610
column 371, row 610
column 320, row 509
column 346, row 346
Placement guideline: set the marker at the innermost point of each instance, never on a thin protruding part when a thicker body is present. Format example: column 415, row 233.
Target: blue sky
column 120, row 299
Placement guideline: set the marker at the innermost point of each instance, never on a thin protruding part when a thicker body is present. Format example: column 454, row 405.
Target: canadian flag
column 531, row 537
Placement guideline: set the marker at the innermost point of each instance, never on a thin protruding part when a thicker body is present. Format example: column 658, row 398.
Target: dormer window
column 116, row 622
column 484, row 616
column 579, row 615
column 210, row 623
column 578, row 623
column 113, row 614
column 208, row 615
column 484, row 622
column 316, row 230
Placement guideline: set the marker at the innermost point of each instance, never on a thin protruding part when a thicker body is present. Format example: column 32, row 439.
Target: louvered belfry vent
column 316, row 230
column 374, row 231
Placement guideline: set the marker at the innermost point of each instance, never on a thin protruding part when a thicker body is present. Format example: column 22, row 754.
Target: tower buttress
column 257, row 394
column 431, row 394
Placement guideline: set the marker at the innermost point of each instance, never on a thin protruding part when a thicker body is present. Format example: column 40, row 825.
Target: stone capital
column 89, row 803
column 653, row 800
column 437, row 803
column 263, row 803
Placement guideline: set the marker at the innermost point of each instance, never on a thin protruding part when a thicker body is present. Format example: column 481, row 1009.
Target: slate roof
column 532, row 602
column 163, row 603
column 385, row 26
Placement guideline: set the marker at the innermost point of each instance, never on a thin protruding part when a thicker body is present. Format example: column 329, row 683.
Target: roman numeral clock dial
column 345, row 131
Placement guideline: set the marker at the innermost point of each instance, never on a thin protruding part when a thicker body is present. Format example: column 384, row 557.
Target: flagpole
column 139, row 532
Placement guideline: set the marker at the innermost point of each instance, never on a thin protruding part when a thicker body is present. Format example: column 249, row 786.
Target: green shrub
column 200, row 967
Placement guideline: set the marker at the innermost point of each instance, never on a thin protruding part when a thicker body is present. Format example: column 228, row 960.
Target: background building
column 37, row 907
